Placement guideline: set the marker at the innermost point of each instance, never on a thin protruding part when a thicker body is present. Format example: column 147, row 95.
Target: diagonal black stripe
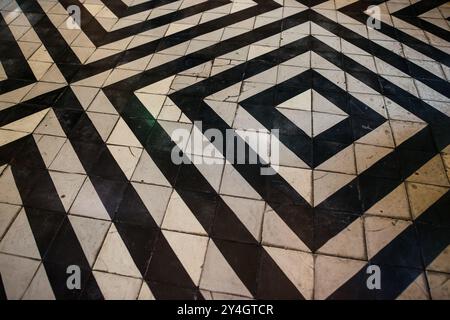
column 384, row 54
column 427, row 26
column 421, row 109
column 411, row 15
column 313, row 151
column 99, row 36
column 420, row 7
column 195, row 192
column 434, row 117
column 53, row 233
column 135, row 225
column 24, row 109
column 120, row 9
column 356, row 11
column 13, row 61
column 69, row 63
column 404, row 248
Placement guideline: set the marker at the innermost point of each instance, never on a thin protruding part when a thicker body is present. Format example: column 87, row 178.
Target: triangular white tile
column 101, row 104
column 17, row 273
column 322, row 104
column 285, row 156
column 211, row 168
column 381, row 231
column 440, row 263
column 88, row 203
column 49, row 147
column 226, row 110
column 235, row 185
column 114, row 256
column 333, row 272
column 324, row 121
column 367, row 155
column 327, row 183
column 83, row 53
column 8, row 213
column 297, row 266
column 126, row 157
column 160, row 87
column 94, row 81
column 190, row 250
column 67, row 160
column 31, row 36
column 39, row 68
column 396, row 112
column 393, row 205
column 90, row 234
column 8, row 189
column 318, row 62
column 180, row 218
column 28, row 48
column 27, row 124
column 299, row 179
column 347, row 243
column 15, row 96
column 423, row 196
column 57, row 19
column 104, row 123
column 54, row 75
column 155, row 199
column 118, row 75
column 85, row 95
column 41, row 55
column 375, row 101
column 380, row 136
column 147, row 171
column 50, row 125
column 117, row 287
column 250, row 212
column 18, row 31
column 40, row 288
column 301, row 101
column 145, row 293
column 277, row 233
column 403, row 130
column 432, row 172
column 19, row 239
column 343, row 161
column 300, row 118
column 42, row 87
column 417, row 290
column 122, row 135
column 70, row 35
column 219, row 276
column 153, row 102
column 67, row 186
column 137, row 65
column 184, row 119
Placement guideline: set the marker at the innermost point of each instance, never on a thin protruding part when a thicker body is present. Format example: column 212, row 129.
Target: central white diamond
column 311, row 112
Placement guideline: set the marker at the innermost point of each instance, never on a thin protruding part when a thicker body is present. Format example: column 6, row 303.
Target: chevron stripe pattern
column 90, row 99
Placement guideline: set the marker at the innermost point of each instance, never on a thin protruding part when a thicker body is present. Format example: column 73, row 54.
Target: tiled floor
column 87, row 179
